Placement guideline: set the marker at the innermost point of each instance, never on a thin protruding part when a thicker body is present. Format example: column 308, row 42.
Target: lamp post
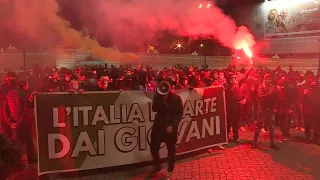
column 202, row 51
column 24, row 60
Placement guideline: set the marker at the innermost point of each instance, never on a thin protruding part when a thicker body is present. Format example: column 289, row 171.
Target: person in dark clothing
column 169, row 110
column 285, row 107
column 197, row 82
column 74, row 87
column 10, row 84
column 220, row 81
column 103, row 83
column 90, row 83
column 207, row 79
column 266, row 110
column 234, row 100
column 310, row 107
column 246, row 109
column 16, row 106
column 52, row 86
column 183, row 83
column 301, row 86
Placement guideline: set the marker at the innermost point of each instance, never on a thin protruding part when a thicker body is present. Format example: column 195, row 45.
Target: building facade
column 288, row 27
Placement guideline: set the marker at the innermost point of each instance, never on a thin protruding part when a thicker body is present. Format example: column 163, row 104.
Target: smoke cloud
column 139, row 21
column 130, row 22
column 38, row 25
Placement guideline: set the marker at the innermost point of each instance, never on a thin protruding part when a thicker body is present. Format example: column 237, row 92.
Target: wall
column 15, row 61
column 216, row 62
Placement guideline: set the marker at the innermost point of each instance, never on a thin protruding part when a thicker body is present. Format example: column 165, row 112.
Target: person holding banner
column 169, row 109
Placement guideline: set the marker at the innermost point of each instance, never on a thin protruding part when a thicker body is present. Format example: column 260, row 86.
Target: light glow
column 247, row 51
column 178, row 46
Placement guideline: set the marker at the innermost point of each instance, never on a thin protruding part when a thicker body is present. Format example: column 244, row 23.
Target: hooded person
column 18, row 114
column 169, row 109
column 90, row 82
column 310, row 110
column 266, row 110
column 9, row 84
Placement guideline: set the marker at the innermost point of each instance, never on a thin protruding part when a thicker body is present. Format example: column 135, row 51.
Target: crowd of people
column 256, row 95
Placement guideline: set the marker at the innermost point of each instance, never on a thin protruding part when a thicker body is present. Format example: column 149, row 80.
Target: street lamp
column 178, row 46
column 207, row 6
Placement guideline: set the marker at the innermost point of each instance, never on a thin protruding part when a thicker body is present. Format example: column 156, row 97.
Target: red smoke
column 127, row 21
column 138, row 21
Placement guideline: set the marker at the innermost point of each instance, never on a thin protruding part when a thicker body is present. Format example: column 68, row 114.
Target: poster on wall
column 291, row 18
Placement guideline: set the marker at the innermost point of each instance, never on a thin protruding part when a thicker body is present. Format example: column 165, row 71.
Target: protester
column 16, row 106
column 9, row 84
column 266, row 100
column 293, row 98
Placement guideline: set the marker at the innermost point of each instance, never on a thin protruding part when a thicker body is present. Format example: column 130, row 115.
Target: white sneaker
column 263, row 130
column 168, row 175
column 221, row 147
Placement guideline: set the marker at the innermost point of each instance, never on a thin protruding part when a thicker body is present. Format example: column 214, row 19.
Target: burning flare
column 244, row 40
column 248, row 51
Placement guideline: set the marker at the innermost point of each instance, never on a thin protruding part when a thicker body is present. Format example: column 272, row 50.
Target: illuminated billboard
column 291, row 18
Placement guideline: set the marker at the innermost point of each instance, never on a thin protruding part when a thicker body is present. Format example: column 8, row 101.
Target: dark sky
column 69, row 8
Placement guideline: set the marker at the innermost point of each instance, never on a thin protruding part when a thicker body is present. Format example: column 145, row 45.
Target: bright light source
column 178, row 46
column 208, row 5
column 201, row 45
column 316, row 1
column 238, row 57
column 200, row 5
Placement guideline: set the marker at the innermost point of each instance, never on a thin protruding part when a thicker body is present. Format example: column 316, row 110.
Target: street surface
column 294, row 160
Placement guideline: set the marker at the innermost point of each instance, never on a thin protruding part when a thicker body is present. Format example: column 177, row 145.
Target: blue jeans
column 268, row 117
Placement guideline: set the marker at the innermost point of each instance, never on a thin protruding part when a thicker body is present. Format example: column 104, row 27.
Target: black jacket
column 169, row 112
column 267, row 97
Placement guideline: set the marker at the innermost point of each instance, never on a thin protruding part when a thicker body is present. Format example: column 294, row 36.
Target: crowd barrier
column 106, row 129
